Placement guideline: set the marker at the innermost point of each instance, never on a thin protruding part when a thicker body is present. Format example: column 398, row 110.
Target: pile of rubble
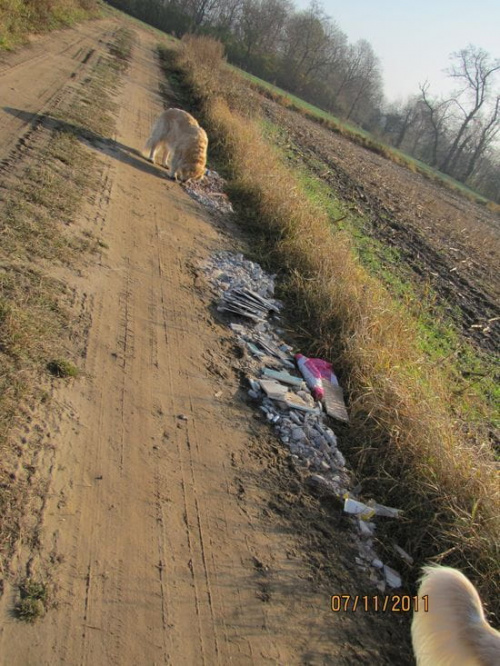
column 210, row 192
column 246, row 293
column 298, row 417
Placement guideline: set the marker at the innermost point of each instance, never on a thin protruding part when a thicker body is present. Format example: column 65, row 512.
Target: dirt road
column 173, row 529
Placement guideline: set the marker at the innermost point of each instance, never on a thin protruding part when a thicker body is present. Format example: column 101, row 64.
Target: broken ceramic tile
column 284, row 377
column 273, row 389
column 366, row 529
column 293, row 401
column 334, row 402
column 403, row 554
column 255, row 351
column 386, row 511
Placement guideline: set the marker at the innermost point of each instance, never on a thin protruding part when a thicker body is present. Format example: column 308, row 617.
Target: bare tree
column 312, row 44
column 199, row 12
column 407, row 118
column 260, row 25
column 474, row 70
column 226, row 14
column 436, row 114
column 487, row 133
column 350, row 67
column 366, row 79
column 486, row 179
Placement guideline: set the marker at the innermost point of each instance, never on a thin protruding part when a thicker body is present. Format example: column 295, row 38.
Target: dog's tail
column 449, row 628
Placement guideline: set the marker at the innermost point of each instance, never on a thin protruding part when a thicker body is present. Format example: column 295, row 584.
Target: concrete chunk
column 273, row 389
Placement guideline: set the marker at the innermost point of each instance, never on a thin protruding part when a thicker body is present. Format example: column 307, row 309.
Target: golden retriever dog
column 183, row 143
column 452, row 631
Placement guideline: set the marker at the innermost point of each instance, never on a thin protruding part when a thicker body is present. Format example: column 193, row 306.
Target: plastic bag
column 314, row 370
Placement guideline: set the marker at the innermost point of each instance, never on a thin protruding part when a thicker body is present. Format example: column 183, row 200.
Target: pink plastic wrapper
column 314, row 370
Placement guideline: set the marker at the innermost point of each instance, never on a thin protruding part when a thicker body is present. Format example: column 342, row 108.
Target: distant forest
column 307, row 54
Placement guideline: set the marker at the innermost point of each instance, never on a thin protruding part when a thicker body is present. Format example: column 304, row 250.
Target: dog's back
column 453, row 632
column 173, row 121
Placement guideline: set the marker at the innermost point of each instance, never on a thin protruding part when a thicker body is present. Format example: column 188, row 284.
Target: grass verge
column 404, row 439
column 19, row 18
column 39, row 334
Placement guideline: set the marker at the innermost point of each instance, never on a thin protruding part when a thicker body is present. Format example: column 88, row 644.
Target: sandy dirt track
column 158, row 529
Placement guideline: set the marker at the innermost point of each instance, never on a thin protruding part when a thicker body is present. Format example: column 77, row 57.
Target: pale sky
column 413, row 39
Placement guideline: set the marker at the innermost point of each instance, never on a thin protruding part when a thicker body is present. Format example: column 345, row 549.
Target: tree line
column 456, row 134
column 303, row 52
column 306, row 53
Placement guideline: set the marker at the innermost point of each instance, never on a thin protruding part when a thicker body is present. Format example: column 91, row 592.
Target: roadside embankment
column 404, row 438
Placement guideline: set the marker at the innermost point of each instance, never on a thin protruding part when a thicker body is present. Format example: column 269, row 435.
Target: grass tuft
column 19, row 18
column 34, row 601
column 60, row 367
column 121, row 48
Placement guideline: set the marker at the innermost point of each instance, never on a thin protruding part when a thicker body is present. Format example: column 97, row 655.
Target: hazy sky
column 413, row 40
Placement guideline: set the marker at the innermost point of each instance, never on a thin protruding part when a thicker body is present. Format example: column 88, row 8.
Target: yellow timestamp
column 390, row 603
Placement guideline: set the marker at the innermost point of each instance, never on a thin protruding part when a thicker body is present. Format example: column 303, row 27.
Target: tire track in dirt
column 188, row 455
column 176, row 324
column 36, row 79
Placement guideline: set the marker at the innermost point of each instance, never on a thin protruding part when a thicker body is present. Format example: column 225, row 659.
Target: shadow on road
column 104, row 145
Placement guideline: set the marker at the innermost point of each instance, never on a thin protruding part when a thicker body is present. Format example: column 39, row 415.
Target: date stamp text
column 387, row 603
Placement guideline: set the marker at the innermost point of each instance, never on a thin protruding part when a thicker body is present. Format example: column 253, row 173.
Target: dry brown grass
column 404, row 433
column 494, row 207
column 19, row 18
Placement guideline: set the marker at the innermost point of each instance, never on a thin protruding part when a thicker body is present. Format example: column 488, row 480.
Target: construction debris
column 386, row 511
column 403, row 555
column 324, row 385
column 284, row 377
column 334, row 402
column 393, row 579
column 293, row 408
column 209, row 191
column 363, row 511
column 273, row 389
column 246, row 303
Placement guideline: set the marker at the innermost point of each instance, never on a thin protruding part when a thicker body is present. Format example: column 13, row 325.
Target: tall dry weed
column 404, row 434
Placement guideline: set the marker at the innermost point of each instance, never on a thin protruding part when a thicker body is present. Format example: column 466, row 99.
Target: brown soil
column 446, row 240
column 172, row 525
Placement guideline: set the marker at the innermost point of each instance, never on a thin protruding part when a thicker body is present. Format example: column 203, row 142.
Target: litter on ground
column 298, row 411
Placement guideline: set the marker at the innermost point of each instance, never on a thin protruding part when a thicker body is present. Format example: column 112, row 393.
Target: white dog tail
column 452, row 630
